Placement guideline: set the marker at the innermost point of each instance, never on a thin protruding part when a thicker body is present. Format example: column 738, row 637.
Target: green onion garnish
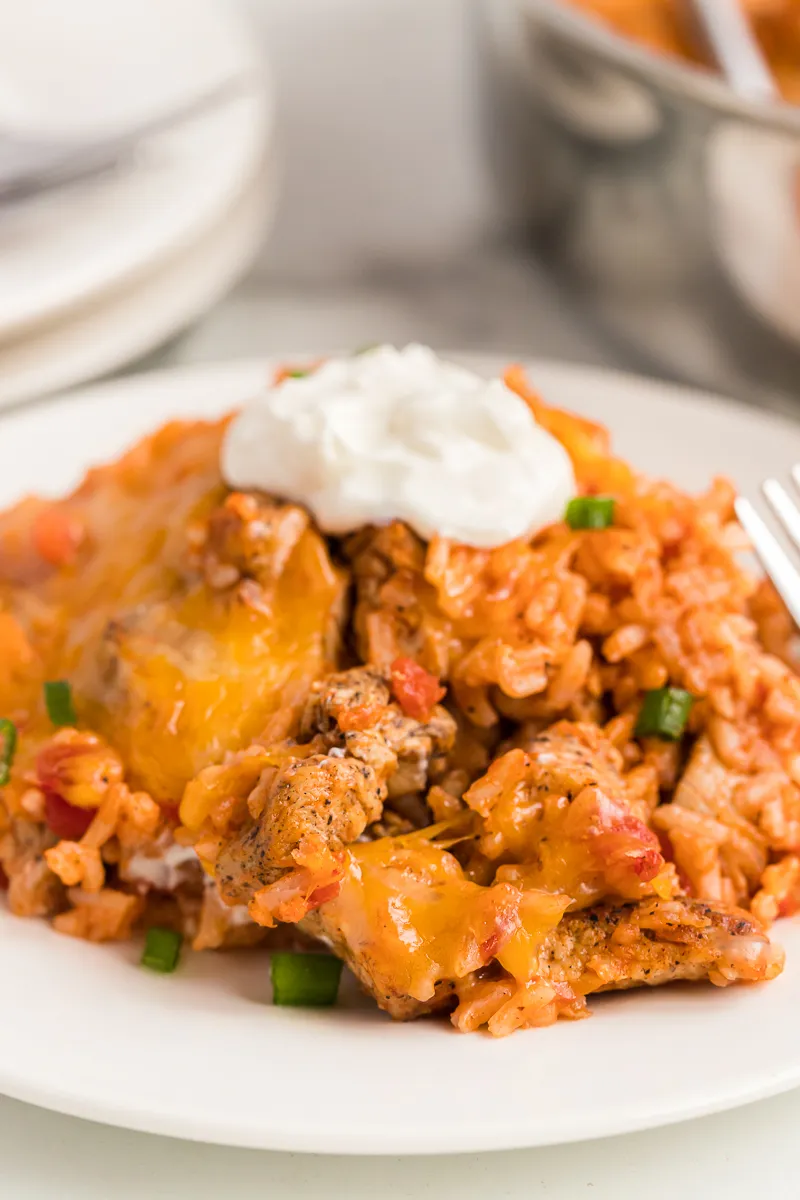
column 590, row 512
column 297, row 373
column 664, row 714
column 161, row 949
column 58, row 701
column 8, row 744
column 305, row 980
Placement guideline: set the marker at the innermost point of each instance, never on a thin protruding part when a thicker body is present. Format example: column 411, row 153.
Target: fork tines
column 774, row 559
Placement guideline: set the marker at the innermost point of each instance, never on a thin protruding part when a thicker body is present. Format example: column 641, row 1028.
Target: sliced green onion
column 58, row 701
column 8, row 744
column 305, row 980
column 664, row 714
column 161, row 949
column 590, row 512
column 298, row 373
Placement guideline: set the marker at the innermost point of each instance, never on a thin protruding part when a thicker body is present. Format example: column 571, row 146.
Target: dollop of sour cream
column 399, row 434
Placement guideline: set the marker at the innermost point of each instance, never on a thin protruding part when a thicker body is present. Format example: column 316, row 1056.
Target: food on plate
column 666, row 25
column 250, row 693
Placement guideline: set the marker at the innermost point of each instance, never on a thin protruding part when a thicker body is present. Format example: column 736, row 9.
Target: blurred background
column 521, row 176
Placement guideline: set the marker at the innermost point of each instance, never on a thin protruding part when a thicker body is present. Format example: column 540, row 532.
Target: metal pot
column 670, row 206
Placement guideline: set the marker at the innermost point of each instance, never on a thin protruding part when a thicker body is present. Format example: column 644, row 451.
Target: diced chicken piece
column 420, row 936
column 362, row 690
column 656, row 942
column 411, row 925
column 181, row 681
column 316, row 804
column 395, row 611
column 560, row 811
column 570, row 757
column 612, row 949
column 355, row 709
column 250, row 537
column 33, row 889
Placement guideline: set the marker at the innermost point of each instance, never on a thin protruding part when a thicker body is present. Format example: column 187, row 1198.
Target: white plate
column 202, row 1054
column 89, row 66
column 132, row 322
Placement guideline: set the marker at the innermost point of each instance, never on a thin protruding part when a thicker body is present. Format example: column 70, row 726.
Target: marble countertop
column 491, row 301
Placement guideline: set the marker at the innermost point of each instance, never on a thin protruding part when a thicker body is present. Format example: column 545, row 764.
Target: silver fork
column 774, row 559
column 29, row 166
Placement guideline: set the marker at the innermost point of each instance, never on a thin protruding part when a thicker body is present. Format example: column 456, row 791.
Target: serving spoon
column 733, row 45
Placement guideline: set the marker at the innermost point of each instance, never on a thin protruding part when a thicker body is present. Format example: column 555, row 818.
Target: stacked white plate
column 97, row 274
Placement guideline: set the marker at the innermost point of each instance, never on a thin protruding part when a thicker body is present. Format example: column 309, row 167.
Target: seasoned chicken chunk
column 410, row 924
column 33, row 889
column 355, row 709
column 316, row 804
column 419, row 935
column 250, row 537
column 560, row 813
column 656, row 942
column 361, row 748
column 359, row 691
column 612, row 949
column 182, row 680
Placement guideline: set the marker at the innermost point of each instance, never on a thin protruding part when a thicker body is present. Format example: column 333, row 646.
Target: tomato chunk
column 414, row 688
column 66, row 820
column 57, row 537
column 79, row 767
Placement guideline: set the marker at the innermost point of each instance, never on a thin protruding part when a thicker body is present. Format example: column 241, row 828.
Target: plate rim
column 207, row 1131
column 483, row 362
